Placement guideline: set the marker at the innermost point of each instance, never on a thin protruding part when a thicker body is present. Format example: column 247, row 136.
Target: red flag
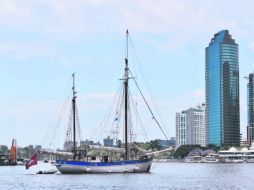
column 32, row 161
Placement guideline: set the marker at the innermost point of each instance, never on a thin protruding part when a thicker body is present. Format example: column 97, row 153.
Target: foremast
column 126, row 81
column 74, row 116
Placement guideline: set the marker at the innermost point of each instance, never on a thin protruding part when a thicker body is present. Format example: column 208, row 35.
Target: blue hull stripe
column 81, row 163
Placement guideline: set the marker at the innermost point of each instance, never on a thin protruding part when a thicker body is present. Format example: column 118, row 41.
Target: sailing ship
column 78, row 161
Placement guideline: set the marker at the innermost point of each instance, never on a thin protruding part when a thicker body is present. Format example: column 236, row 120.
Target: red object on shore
column 32, row 161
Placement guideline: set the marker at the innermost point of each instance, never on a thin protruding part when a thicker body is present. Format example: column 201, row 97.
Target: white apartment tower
column 190, row 126
column 181, row 129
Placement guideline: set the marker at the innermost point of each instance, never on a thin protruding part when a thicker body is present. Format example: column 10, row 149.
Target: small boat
column 211, row 159
column 20, row 163
column 230, row 160
column 194, row 159
column 47, row 172
column 249, row 159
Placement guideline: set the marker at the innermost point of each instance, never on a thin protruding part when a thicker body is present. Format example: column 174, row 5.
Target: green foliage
column 184, row 150
column 4, row 149
column 213, row 147
column 223, row 147
column 153, row 145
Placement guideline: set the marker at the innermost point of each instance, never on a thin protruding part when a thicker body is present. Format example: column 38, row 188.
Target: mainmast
column 74, row 116
column 126, row 78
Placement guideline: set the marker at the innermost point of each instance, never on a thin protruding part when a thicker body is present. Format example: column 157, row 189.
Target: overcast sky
column 43, row 42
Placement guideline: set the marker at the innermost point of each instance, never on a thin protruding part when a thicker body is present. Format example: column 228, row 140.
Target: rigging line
column 148, row 106
column 108, row 118
column 130, row 121
column 117, row 114
column 138, row 116
column 139, row 66
column 52, row 124
column 78, row 124
column 69, row 134
column 105, row 117
column 135, row 54
column 134, row 122
column 58, row 123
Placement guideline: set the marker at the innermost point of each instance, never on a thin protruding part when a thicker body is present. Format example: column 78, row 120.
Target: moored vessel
column 126, row 159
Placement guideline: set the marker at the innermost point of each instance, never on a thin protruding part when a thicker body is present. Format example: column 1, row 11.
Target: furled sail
column 156, row 153
column 139, row 149
column 110, row 149
column 58, row 153
column 13, row 151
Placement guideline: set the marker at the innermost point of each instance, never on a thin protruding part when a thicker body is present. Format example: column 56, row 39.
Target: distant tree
column 184, row 150
column 223, row 147
column 213, row 147
column 4, row 149
column 155, row 145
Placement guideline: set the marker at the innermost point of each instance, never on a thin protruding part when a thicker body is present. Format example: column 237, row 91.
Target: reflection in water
column 163, row 176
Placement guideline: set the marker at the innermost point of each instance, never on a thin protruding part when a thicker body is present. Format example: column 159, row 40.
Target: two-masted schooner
column 78, row 161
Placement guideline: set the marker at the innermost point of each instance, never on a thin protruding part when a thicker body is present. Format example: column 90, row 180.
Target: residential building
column 190, row 126
column 222, row 90
column 181, row 129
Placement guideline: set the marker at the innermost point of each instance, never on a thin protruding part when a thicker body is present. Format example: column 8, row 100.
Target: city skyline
column 43, row 43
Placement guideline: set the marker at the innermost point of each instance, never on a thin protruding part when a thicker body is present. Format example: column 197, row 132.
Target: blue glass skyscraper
column 222, row 90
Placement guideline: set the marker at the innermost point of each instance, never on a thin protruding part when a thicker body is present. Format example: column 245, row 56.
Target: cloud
column 24, row 117
column 32, row 31
column 179, row 22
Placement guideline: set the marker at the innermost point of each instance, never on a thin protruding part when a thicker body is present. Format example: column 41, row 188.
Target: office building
column 222, row 90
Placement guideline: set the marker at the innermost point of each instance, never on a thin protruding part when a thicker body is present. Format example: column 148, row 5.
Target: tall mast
column 126, row 78
column 74, row 116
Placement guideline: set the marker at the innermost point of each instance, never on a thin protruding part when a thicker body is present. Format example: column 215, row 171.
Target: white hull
column 75, row 167
column 212, row 161
column 234, row 161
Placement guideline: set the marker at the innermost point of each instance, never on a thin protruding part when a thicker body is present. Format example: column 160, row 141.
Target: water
column 163, row 176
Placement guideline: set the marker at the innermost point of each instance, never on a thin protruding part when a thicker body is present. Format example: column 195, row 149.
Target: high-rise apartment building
column 181, row 129
column 190, row 127
column 250, row 108
column 222, row 90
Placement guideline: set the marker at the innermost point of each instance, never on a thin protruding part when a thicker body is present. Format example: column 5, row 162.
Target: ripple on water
column 163, row 176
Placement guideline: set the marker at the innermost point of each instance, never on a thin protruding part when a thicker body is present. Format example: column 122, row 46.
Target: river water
column 162, row 176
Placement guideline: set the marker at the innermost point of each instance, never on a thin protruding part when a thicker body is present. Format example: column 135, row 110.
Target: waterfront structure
column 222, row 90
column 237, row 155
column 190, row 126
column 232, row 155
column 250, row 108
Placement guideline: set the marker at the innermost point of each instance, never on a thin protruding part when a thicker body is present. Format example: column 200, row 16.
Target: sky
column 43, row 42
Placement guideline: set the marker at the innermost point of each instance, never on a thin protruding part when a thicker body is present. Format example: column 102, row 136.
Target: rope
column 145, row 83
column 148, row 106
